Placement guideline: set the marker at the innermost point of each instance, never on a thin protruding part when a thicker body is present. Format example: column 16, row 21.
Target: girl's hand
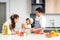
column 23, row 26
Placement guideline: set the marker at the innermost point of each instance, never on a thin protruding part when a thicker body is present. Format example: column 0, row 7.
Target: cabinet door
column 58, row 6
column 50, row 6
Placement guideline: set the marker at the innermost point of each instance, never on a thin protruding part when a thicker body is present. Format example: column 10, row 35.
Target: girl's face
column 16, row 20
column 28, row 21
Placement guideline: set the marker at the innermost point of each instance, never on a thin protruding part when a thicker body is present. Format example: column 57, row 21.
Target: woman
column 27, row 26
column 9, row 25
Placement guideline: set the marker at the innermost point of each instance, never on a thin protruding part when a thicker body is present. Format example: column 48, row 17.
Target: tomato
column 42, row 33
column 37, row 32
column 21, row 33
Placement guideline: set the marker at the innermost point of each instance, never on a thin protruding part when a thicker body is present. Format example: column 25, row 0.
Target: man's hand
column 37, row 29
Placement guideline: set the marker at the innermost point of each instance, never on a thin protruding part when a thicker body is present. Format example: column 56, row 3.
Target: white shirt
column 42, row 20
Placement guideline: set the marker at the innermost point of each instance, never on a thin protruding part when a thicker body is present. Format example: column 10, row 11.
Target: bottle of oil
column 4, row 30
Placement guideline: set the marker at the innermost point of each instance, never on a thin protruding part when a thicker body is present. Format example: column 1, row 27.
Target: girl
column 27, row 26
column 9, row 25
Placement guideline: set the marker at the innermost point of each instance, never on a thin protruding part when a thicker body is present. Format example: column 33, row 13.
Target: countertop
column 28, row 37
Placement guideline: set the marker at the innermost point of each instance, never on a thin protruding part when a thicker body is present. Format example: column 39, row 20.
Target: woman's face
column 28, row 21
column 16, row 20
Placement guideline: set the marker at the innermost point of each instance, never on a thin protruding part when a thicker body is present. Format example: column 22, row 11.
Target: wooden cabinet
column 52, row 6
column 48, row 6
column 58, row 6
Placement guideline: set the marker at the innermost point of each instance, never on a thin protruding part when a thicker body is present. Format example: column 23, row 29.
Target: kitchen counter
column 28, row 37
column 48, row 29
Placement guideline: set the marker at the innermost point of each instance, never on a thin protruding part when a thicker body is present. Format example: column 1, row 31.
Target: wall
column 23, row 7
column 56, row 19
column 20, row 7
column 7, row 7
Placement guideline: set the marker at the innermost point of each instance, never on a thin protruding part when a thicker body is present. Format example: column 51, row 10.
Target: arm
column 42, row 23
column 41, row 28
column 24, row 26
column 36, row 29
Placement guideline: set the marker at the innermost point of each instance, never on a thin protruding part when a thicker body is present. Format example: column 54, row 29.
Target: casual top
column 7, row 23
column 28, row 26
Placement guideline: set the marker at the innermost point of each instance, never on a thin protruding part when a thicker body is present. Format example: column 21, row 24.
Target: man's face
column 37, row 13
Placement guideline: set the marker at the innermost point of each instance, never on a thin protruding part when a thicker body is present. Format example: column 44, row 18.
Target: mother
column 9, row 25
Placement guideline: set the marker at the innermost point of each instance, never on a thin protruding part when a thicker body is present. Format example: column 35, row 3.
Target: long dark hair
column 12, row 20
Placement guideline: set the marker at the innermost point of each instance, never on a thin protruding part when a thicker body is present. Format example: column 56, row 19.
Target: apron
column 37, row 25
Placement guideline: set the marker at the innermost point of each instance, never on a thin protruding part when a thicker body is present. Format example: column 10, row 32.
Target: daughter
column 27, row 26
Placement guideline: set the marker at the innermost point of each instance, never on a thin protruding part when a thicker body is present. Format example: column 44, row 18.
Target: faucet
column 52, row 23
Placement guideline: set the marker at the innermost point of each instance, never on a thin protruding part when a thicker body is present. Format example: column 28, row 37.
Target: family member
column 27, row 26
column 10, row 24
column 40, row 21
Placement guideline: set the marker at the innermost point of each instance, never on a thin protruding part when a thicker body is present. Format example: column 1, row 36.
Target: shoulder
column 7, row 22
column 43, row 18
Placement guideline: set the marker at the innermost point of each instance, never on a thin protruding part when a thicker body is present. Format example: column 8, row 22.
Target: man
column 40, row 21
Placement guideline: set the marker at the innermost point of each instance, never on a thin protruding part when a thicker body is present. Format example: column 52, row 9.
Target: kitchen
column 25, row 7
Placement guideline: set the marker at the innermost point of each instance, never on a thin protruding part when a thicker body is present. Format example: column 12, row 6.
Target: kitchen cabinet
column 37, row 3
column 48, row 6
column 52, row 6
column 58, row 6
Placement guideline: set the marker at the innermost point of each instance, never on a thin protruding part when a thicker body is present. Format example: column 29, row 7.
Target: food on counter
column 4, row 30
column 55, row 32
column 21, row 33
column 42, row 33
column 25, row 34
column 37, row 32
column 52, row 33
column 49, row 34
